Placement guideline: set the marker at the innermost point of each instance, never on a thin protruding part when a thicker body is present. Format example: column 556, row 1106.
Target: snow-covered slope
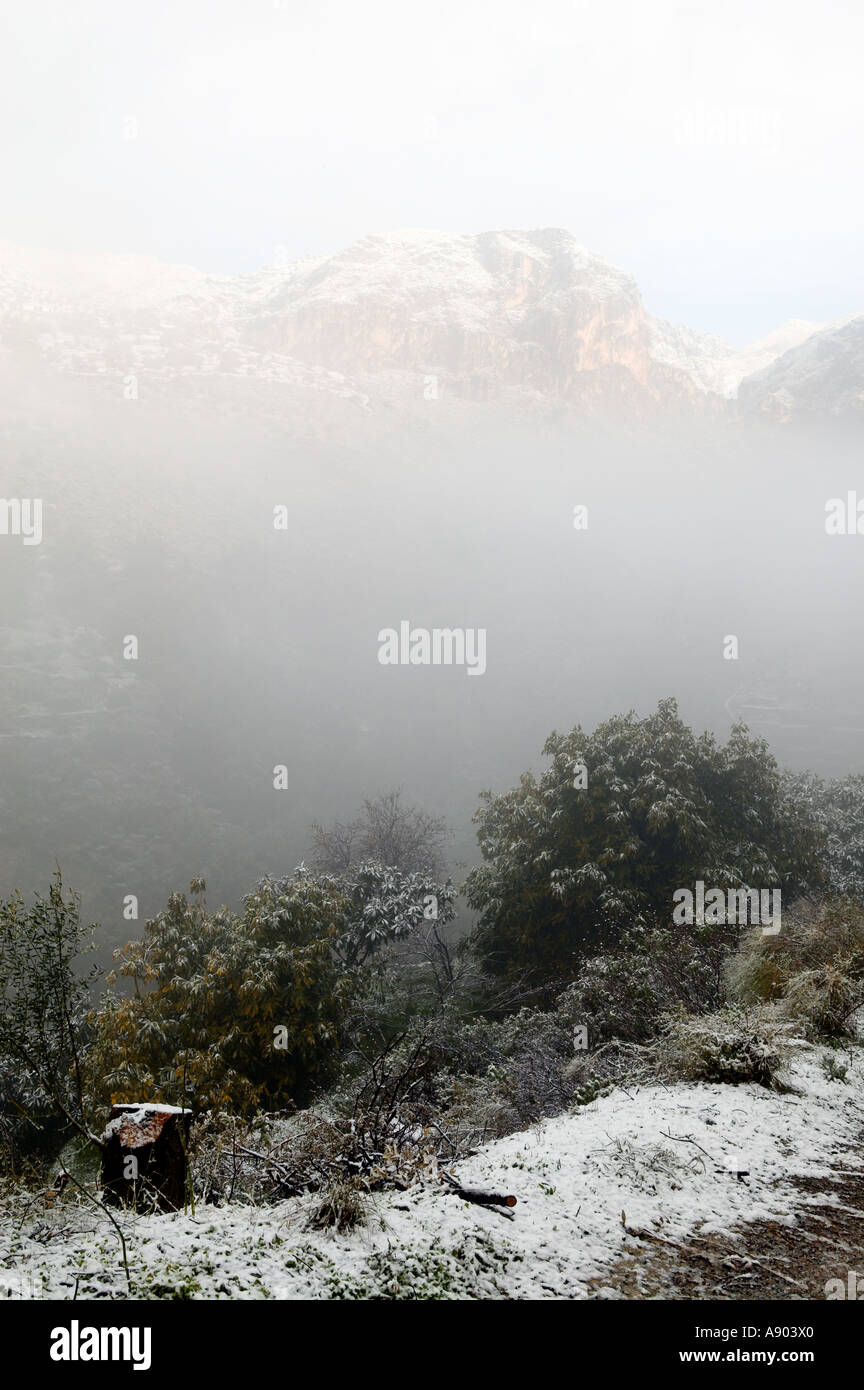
column 672, row 1161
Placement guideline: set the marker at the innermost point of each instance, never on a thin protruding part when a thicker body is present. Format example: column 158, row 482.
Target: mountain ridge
column 531, row 313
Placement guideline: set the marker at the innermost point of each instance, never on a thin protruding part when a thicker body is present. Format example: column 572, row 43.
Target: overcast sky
column 713, row 149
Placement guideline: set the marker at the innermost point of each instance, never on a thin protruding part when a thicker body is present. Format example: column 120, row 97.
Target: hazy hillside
column 427, row 409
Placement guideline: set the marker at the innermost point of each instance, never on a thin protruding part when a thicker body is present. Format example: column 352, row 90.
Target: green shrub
column 623, row 817
column 834, row 1070
column 626, row 992
column 44, row 1030
column 836, row 809
column 731, row 1046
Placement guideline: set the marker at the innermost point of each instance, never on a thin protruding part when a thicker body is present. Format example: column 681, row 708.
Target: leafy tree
column 387, row 905
column 410, row 913
column 245, row 1011
column 44, row 1008
column 228, row 1011
column 836, row 809
column 574, row 857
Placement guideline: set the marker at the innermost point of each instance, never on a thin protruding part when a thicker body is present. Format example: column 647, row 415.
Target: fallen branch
column 479, row 1195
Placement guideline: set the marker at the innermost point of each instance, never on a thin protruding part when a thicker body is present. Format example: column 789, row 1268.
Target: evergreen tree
column 623, row 817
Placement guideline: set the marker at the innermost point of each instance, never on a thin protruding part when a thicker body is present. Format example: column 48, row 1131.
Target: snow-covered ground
column 675, row 1161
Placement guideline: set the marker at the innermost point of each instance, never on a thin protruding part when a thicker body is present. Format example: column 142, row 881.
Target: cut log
column 480, row 1195
column 144, row 1156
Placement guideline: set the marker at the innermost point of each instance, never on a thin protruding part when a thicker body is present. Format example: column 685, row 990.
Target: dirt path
column 760, row 1260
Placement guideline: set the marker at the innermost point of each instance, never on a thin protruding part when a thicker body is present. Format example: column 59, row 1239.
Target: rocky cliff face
column 530, row 315
column 716, row 366
column 529, row 311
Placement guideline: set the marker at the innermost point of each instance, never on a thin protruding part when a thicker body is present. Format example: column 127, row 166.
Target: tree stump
column 144, row 1156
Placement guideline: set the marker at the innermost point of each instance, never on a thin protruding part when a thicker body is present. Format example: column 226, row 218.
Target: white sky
column 713, row 149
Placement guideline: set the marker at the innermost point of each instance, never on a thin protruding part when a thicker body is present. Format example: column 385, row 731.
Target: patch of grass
column 342, row 1208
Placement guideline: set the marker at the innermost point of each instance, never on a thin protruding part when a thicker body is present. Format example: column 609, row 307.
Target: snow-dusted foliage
column 813, row 971
column 624, row 817
column 836, row 807
column 624, row 993
column 246, row 1010
column 733, row 1046
column 380, row 905
column 229, row 1010
column 43, row 1014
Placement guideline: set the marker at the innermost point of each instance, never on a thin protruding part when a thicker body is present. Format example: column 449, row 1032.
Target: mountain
column 528, row 315
column 715, row 365
column 532, row 312
column 824, row 375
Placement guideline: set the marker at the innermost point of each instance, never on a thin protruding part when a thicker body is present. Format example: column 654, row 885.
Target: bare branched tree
column 333, row 846
column 387, row 831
